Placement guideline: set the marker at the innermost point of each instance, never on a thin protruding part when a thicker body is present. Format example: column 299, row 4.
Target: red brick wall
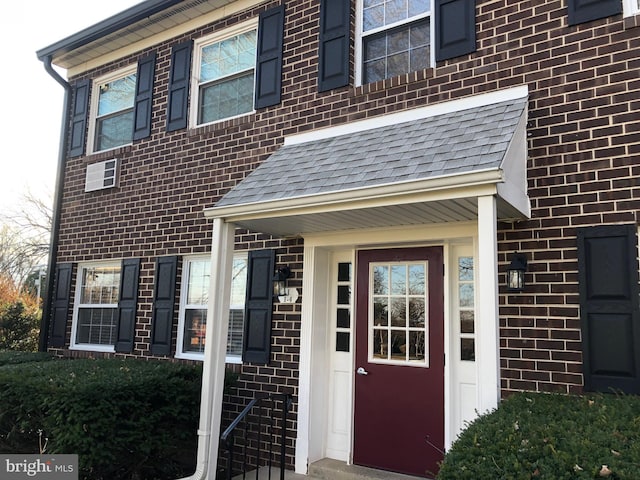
column 582, row 169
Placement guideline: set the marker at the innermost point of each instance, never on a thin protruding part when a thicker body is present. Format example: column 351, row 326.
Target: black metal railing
column 253, row 433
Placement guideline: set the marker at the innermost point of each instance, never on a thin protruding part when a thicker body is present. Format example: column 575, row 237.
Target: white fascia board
column 426, row 190
column 165, row 35
column 414, row 114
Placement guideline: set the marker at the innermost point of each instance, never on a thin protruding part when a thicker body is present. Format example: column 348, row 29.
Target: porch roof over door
column 421, row 166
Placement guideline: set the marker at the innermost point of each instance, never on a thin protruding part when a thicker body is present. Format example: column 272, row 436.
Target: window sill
column 109, row 154
column 199, row 357
column 222, row 124
column 93, row 348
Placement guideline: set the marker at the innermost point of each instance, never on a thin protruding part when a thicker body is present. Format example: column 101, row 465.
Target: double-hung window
column 224, row 78
column 396, row 37
column 112, row 110
column 96, row 307
column 193, row 308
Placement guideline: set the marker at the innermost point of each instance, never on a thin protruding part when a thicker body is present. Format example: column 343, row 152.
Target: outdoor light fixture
column 280, row 281
column 515, row 272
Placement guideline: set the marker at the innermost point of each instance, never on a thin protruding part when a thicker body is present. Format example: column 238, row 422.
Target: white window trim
column 95, row 97
column 360, row 36
column 180, row 353
column 76, row 307
column 198, row 45
column 630, row 7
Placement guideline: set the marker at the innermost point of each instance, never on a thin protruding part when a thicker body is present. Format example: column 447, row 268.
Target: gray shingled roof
column 461, row 142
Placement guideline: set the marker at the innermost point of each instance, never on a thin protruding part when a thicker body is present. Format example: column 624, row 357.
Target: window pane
column 344, row 318
column 342, row 341
column 398, row 345
column 227, row 98
column 227, row 57
column 195, row 330
column 380, row 311
column 467, row 349
column 398, row 280
column 416, row 312
column 373, row 17
column 417, row 345
column 344, row 294
column 344, row 272
column 114, row 130
column 100, row 285
column 397, row 51
column 465, row 268
column 416, row 7
column 234, row 334
column 416, row 280
column 198, row 287
column 467, row 322
column 380, row 344
column 395, row 10
column 239, row 281
column 466, row 295
column 398, row 312
column 380, row 280
column 117, row 95
column 96, row 326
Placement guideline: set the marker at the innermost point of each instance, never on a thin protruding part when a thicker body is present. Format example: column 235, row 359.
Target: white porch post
column 215, row 353
column 487, row 349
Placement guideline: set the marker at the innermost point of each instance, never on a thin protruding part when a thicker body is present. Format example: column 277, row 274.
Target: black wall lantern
column 280, row 281
column 515, row 272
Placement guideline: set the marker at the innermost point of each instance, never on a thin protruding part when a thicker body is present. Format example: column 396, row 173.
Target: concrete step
column 328, row 469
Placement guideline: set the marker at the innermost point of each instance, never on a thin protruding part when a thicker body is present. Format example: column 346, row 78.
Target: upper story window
column 96, row 307
column 224, row 78
column 396, row 37
column 112, row 110
column 193, row 308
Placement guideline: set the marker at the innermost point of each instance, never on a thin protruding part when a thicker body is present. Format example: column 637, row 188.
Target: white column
column 304, row 372
column 488, row 343
column 216, row 350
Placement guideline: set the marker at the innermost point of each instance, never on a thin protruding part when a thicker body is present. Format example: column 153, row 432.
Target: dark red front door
column 399, row 384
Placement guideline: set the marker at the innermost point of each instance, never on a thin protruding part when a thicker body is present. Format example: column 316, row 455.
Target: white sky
column 30, row 98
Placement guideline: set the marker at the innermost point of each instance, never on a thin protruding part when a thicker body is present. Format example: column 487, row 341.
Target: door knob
column 361, row 371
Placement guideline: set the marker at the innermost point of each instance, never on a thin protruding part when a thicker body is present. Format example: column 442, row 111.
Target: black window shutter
column 258, row 306
column 609, row 315
column 79, row 117
column 127, row 305
column 455, row 24
column 334, row 43
column 269, row 57
column 163, row 305
column 178, row 101
column 61, row 302
column 144, row 97
column 581, row 11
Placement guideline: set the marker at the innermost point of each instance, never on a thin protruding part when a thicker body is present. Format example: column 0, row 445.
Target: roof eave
column 110, row 25
column 430, row 189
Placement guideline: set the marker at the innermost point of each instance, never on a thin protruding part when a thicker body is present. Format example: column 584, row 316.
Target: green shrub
column 19, row 326
column 550, row 437
column 12, row 357
column 130, row 419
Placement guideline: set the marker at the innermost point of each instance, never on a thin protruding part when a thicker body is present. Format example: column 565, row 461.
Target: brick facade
column 583, row 169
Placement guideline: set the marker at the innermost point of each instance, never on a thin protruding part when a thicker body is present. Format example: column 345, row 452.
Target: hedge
column 550, row 437
column 126, row 419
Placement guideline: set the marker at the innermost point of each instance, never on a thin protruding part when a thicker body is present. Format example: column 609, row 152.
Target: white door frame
column 314, row 353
